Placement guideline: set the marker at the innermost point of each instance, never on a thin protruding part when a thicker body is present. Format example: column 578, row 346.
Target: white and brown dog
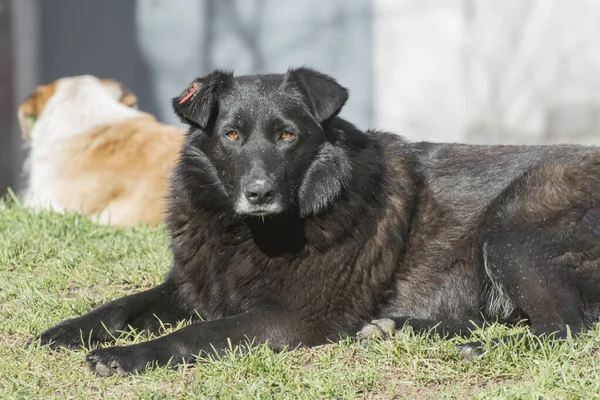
column 93, row 152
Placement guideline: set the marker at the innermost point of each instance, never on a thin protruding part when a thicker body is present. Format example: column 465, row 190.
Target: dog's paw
column 124, row 360
column 62, row 336
column 113, row 360
column 471, row 351
column 377, row 329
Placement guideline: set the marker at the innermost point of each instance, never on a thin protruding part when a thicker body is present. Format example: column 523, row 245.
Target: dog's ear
column 324, row 180
column 32, row 107
column 324, row 95
column 197, row 102
column 126, row 98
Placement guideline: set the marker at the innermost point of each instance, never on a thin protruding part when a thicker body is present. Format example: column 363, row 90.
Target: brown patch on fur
column 119, row 173
column 554, row 188
column 33, row 106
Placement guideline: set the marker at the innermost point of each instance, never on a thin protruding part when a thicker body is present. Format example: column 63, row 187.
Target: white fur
column 499, row 303
column 78, row 105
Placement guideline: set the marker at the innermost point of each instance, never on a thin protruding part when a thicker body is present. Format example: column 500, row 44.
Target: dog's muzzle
column 259, row 197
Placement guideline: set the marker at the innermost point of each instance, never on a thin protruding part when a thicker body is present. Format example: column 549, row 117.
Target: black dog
column 292, row 227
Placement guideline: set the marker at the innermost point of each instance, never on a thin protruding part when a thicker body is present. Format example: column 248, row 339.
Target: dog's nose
column 260, row 192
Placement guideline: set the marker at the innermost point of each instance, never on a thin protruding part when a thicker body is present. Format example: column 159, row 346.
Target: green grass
column 58, row 266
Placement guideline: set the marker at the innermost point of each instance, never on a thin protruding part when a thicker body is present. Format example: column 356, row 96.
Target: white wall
column 485, row 71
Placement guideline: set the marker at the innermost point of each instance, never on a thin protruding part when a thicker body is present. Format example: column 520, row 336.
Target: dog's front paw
column 114, row 360
column 65, row 334
column 124, row 360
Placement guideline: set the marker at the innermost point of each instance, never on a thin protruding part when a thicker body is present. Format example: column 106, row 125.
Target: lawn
column 56, row 266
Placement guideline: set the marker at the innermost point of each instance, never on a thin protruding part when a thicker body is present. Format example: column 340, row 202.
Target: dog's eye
column 232, row 135
column 286, row 135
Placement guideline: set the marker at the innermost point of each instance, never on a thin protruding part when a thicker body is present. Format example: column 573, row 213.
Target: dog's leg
column 541, row 247
column 278, row 329
column 540, row 276
column 540, row 286
column 140, row 311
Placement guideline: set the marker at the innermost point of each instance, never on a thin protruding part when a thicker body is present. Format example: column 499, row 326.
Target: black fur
column 347, row 226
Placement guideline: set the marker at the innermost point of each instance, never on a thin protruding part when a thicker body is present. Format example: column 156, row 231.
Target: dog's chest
column 230, row 279
column 44, row 182
column 221, row 278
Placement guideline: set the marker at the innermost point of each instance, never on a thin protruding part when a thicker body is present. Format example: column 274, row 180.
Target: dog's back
column 119, row 173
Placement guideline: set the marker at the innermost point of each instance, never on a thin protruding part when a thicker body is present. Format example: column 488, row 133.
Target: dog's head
column 263, row 141
column 31, row 109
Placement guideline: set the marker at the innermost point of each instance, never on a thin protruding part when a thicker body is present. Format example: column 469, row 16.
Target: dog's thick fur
column 93, row 152
column 292, row 227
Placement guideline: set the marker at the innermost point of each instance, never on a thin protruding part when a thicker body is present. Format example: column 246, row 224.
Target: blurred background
column 476, row 71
